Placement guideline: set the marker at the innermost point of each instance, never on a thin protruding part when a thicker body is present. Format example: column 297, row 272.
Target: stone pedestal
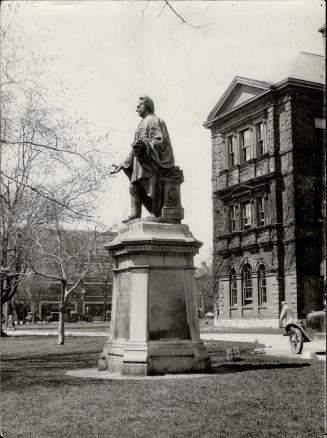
column 154, row 328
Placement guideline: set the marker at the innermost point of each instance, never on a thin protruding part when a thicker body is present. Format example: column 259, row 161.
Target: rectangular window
column 232, row 223
column 261, row 138
column 246, row 145
column 246, row 215
column 261, row 220
column 247, row 291
column 233, row 289
column 247, row 285
column 262, row 286
column 231, row 151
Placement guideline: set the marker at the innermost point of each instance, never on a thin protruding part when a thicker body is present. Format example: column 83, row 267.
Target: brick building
column 269, row 187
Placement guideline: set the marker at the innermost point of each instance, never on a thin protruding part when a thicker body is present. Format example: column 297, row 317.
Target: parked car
column 209, row 314
column 75, row 317
column 308, row 330
column 53, row 317
column 29, row 317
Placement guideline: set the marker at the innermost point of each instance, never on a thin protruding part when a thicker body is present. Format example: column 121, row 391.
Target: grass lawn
column 206, row 325
column 258, row 396
column 70, row 326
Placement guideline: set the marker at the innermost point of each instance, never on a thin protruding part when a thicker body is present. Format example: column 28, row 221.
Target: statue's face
column 141, row 109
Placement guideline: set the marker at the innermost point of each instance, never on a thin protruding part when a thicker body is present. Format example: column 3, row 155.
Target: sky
column 108, row 53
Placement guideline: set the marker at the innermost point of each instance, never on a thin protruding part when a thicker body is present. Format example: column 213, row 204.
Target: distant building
column 203, row 284
column 269, row 191
column 93, row 296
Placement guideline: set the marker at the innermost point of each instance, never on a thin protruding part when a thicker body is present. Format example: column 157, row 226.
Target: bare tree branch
column 180, row 17
column 49, row 198
column 144, row 11
column 86, row 270
column 45, row 275
column 30, row 143
column 162, row 9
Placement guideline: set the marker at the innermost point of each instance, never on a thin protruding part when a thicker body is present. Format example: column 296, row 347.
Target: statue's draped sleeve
column 159, row 141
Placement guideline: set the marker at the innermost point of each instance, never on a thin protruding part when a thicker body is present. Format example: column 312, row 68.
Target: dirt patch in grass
column 255, row 397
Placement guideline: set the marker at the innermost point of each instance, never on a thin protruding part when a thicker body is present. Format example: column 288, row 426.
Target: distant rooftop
column 304, row 66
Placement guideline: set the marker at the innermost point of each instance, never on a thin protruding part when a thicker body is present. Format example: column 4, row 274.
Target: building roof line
column 310, row 53
column 238, row 80
column 303, row 82
column 208, row 122
column 277, row 86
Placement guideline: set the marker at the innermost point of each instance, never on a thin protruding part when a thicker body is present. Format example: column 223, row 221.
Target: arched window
column 233, row 287
column 247, row 284
column 262, row 285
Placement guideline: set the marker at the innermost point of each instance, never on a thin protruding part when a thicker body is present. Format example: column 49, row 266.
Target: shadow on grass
column 240, row 367
column 49, row 370
column 46, row 370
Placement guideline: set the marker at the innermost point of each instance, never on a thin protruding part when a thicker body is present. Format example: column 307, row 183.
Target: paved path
column 263, row 339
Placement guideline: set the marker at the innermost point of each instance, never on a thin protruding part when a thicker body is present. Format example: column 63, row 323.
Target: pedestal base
column 154, row 309
column 153, row 358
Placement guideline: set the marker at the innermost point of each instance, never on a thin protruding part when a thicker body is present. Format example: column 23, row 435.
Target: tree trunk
column 104, row 306
column 6, row 313
column 61, row 329
column 2, row 333
column 16, row 314
column 33, row 311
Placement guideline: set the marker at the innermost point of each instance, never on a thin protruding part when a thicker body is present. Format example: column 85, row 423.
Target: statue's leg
column 150, row 202
column 147, row 202
column 136, row 203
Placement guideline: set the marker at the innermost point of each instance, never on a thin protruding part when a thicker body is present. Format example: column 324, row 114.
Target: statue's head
column 145, row 106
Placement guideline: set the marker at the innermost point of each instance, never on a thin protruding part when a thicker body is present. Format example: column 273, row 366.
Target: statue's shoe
column 130, row 218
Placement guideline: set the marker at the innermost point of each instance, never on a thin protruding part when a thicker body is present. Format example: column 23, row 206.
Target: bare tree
column 63, row 255
column 48, row 159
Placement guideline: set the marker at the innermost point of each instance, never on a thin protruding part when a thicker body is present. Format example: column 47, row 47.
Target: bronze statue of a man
column 151, row 153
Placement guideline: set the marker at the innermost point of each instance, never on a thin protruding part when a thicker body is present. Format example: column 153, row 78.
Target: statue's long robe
column 153, row 131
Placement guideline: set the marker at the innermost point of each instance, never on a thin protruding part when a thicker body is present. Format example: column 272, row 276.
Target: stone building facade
column 268, row 185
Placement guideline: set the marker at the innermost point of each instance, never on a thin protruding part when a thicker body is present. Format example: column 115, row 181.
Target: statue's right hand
column 115, row 168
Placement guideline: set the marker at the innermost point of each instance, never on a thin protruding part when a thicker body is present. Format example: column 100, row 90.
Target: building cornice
column 208, row 123
column 278, row 86
column 246, row 186
column 299, row 83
